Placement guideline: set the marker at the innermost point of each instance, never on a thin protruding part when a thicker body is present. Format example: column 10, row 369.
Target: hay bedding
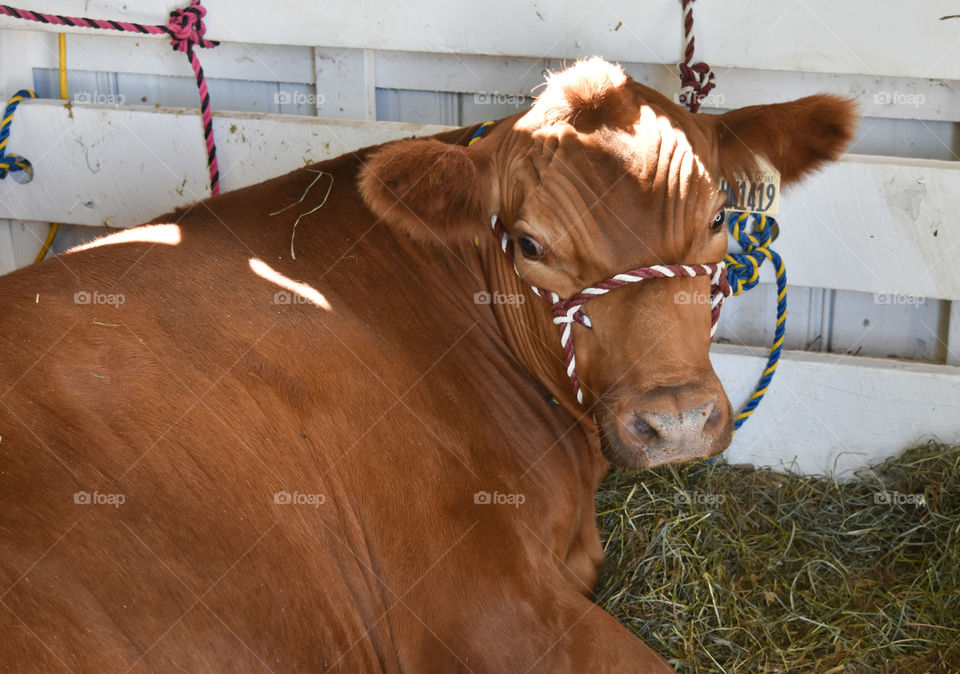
column 727, row 568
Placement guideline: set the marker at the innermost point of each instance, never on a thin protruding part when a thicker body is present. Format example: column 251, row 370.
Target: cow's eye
column 717, row 223
column 531, row 248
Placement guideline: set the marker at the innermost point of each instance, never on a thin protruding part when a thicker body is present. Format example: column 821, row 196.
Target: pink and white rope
column 568, row 311
column 186, row 30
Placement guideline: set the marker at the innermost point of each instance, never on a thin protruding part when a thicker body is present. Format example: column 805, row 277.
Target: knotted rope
column 743, row 273
column 567, row 311
column 696, row 79
column 11, row 163
column 186, row 30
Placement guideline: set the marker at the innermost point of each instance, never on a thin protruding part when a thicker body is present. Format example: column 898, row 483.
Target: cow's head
column 600, row 176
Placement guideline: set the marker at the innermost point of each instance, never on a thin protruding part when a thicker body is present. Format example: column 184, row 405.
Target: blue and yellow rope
column 478, row 134
column 11, row 163
column 743, row 273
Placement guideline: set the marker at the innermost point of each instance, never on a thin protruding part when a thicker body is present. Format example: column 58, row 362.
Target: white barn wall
column 831, row 414
column 903, row 40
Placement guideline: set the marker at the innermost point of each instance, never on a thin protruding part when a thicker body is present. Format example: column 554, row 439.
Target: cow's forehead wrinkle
column 617, row 170
column 614, row 196
column 641, row 149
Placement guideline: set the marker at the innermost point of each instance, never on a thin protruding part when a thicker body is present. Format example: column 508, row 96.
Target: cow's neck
column 534, row 339
column 530, row 333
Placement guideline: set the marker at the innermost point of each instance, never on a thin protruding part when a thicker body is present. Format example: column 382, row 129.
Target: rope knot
column 743, row 269
column 696, row 79
column 566, row 311
column 696, row 83
column 186, row 28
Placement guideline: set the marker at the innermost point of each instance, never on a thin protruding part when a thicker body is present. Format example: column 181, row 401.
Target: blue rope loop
column 479, row 133
column 754, row 233
column 11, row 163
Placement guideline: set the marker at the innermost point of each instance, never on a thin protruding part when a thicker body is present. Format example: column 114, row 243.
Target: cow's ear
column 430, row 189
column 796, row 137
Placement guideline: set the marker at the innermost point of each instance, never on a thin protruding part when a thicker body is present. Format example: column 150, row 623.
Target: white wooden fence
column 870, row 243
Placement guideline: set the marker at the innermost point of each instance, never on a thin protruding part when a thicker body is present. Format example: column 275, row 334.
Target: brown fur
column 202, row 395
column 797, row 137
column 587, row 89
column 410, row 188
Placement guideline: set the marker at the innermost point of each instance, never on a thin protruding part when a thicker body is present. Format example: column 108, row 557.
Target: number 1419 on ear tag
column 759, row 191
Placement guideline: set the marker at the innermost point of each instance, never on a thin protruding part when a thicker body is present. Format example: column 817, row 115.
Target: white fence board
column 866, row 224
column 904, row 39
column 345, row 86
column 953, row 335
column 20, row 242
column 840, row 321
column 876, row 225
column 886, row 326
column 142, row 55
column 9, row 241
column 826, row 412
column 749, row 318
column 100, row 165
column 883, row 97
column 18, row 52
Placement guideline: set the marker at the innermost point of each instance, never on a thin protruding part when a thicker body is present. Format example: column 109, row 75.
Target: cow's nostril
column 666, row 424
column 714, row 416
column 645, row 431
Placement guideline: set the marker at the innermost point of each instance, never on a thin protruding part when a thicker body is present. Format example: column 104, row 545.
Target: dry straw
column 727, row 568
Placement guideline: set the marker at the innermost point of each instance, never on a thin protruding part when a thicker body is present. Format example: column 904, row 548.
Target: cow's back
column 212, row 394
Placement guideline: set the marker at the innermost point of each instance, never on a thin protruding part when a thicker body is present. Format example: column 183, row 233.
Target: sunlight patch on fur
column 166, row 234
column 307, row 292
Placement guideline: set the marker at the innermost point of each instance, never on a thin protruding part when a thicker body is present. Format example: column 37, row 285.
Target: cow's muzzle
column 665, row 425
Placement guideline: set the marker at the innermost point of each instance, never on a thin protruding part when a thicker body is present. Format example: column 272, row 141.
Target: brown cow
column 217, row 457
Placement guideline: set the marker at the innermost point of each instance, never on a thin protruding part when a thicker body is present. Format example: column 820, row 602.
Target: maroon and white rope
column 696, row 79
column 568, row 311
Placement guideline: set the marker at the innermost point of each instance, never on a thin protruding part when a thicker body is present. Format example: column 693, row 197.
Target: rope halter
column 568, row 311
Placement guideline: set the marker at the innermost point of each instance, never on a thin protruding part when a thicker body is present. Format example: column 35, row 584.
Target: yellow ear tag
column 759, row 191
column 476, row 242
